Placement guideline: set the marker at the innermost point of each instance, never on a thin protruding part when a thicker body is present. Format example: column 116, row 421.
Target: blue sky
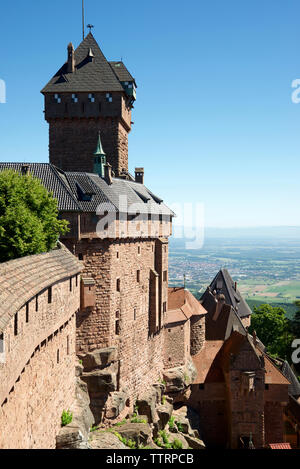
column 214, row 119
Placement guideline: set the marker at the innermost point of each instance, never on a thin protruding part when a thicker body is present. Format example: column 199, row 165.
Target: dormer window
column 74, row 98
column 57, row 98
column 91, row 98
column 109, row 97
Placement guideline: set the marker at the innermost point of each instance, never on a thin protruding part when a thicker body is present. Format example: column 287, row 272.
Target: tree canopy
column 29, row 221
column 273, row 329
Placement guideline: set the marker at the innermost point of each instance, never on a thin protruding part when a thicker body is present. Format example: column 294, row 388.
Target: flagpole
column 82, row 19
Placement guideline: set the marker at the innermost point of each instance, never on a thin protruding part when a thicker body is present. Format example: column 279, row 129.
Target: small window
column 165, row 275
column 70, row 286
column 27, row 312
column 80, row 256
column 76, row 280
column 50, row 295
column 57, row 98
column 138, row 276
column 109, row 97
column 16, row 324
column 117, row 327
column 91, row 98
column 57, row 356
column 134, row 314
column 118, row 255
column 139, row 249
column 2, row 343
column 74, row 98
column 68, row 345
column 164, row 307
column 37, row 302
column 118, row 286
column 201, row 386
column 165, row 248
column 266, row 387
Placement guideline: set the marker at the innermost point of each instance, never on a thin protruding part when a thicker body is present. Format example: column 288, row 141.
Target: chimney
column 71, row 58
column 107, row 174
column 139, row 175
column 254, row 338
column 25, row 169
column 219, row 306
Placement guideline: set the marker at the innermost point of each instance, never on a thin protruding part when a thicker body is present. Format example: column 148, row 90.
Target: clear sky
column 214, row 119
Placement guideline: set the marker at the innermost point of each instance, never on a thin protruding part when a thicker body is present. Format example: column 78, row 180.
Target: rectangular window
column 134, row 314
column 118, row 286
column 37, row 303
column 50, row 295
column 138, row 276
column 80, row 256
column 57, row 356
column 91, row 98
column 16, row 324
column 117, row 327
column 164, row 307
column 76, row 280
column 68, row 345
column 57, row 98
column 74, row 98
column 165, row 275
column 70, row 287
column 108, row 97
column 27, row 312
column 139, row 249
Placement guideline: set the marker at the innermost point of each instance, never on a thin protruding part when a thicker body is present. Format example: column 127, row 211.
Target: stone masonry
column 40, row 297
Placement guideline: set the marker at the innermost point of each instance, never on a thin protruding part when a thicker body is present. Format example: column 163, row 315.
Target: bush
column 171, row 423
column 28, row 217
column 66, row 418
column 177, row 444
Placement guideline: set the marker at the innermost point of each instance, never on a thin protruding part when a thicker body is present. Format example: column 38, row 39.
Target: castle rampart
column 39, row 296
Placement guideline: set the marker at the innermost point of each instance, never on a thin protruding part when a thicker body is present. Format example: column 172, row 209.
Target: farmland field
column 267, row 269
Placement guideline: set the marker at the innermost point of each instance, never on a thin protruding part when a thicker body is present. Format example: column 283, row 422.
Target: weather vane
column 90, row 26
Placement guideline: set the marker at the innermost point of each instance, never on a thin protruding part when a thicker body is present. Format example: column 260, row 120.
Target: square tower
column 88, row 94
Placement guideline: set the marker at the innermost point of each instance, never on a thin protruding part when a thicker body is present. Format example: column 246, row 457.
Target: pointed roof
column 223, row 283
column 93, row 73
column 99, row 150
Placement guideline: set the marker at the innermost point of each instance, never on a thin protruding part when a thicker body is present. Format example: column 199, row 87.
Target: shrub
column 177, row 444
column 66, row 417
column 171, row 423
column 28, row 217
column 179, row 426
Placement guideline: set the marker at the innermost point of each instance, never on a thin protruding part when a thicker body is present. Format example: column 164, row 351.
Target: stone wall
column 120, row 316
column 197, row 333
column 176, row 344
column 74, row 127
column 37, row 366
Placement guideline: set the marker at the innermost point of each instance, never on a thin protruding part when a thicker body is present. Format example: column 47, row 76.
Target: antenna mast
column 82, row 19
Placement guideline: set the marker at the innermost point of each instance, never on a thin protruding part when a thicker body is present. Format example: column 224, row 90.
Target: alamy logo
column 2, row 92
column 296, row 353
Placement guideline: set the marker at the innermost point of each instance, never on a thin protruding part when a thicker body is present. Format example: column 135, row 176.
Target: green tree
column 296, row 321
column 28, row 217
column 273, row 329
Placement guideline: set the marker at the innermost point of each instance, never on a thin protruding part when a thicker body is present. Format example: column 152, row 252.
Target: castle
column 110, row 272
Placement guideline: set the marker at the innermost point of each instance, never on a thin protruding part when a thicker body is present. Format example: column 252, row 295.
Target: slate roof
column 121, row 71
column 68, row 187
column 97, row 75
column 294, row 387
column 223, row 283
column 52, row 180
column 21, row 279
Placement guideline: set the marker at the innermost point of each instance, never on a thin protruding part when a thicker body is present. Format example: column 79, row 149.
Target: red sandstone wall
column 140, row 354
column 34, row 388
column 176, row 344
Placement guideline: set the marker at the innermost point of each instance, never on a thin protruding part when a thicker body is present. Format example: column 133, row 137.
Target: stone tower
column 88, row 95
